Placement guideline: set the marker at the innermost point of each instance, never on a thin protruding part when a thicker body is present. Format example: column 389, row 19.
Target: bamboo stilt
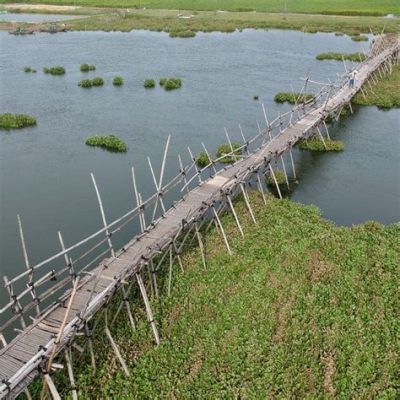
column 247, row 201
column 284, row 171
column 322, row 138
column 68, row 360
column 170, row 270
column 221, row 230
column 235, row 215
column 260, row 188
column 276, row 182
column 201, row 245
column 292, row 162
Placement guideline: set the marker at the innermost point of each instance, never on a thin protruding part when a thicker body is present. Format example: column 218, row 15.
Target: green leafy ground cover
column 108, row 142
column 291, row 97
column 303, row 309
column 16, row 121
column 355, row 57
column 384, row 94
column 316, row 144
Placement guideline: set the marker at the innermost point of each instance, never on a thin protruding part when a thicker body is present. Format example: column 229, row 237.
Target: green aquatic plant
column 279, row 176
column 339, row 34
column 355, row 57
column 57, row 70
column 203, row 159
column 118, row 81
column 85, row 83
column 359, row 38
column 16, row 121
column 98, row 81
column 182, row 34
column 87, row 67
column 170, row 83
column 108, row 142
column 316, row 144
column 29, row 70
column 291, row 98
column 225, row 148
column 149, row 83
column 255, row 97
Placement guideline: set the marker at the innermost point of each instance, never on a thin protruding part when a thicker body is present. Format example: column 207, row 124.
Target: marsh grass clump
column 171, row 83
column 118, row 81
column 359, row 38
column 355, row 57
column 29, row 70
column 85, row 83
column 182, row 34
column 16, row 121
column 149, row 83
column 98, row 81
column 203, row 159
column 316, row 144
column 57, row 70
column 108, row 142
column 291, row 98
column 279, row 176
column 225, row 150
column 87, row 67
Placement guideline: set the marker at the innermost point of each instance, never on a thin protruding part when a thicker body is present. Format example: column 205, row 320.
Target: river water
column 44, row 173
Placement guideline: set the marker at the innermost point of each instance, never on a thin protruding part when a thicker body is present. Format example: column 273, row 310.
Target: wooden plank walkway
column 19, row 360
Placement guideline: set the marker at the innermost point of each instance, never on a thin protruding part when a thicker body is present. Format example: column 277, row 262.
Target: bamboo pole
column 68, row 360
column 234, row 214
column 201, row 245
column 247, row 202
column 142, row 224
column 322, row 138
column 266, row 121
column 209, row 157
column 103, row 216
column 292, row 162
column 260, row 188
column 198, row 171
column 221, row 229
column 276, row 182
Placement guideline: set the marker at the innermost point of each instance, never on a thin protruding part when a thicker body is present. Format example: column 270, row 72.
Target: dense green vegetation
column 29, row 69
column 118, row 81
column 291, row 97
column 202, row 159
column 279, row 176
column 356, row 57
column 338, row 7
column 384, row 94
column 167, row 21
column 225, row 148
column 302, row 310
column 149, row 83
column 97, row 81
column 16, row 121
column 170, row 83
column 87, row 67
column 57, row 70
column 108, row 142
column 85, row 83
column 182, row 34
column 359, row 38
column 316, row 144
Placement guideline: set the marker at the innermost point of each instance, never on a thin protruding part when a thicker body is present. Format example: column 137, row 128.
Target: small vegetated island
column 316, row 144
column 149, row 83
column 118, row 81
column 88, row 83
column 108, row 142
column 293, row 98
column 57, row 70
column 16, row 121
column 29, row 70
column 171, row 83
column 87, row 67
column 355, row 57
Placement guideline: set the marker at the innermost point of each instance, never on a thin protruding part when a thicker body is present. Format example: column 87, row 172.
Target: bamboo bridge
column 65, row 296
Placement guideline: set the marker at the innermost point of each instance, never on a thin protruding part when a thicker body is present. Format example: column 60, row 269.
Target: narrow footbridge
column 65, row 296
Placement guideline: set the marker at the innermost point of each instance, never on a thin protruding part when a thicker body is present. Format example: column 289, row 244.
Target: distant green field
column 346, row 7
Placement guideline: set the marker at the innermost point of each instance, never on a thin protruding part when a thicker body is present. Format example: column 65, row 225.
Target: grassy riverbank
column 180, row 23
column 303, row 309
column 384, row 94
column 338, row 7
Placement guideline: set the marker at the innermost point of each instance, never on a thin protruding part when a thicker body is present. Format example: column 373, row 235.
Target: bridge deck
column 20, row 358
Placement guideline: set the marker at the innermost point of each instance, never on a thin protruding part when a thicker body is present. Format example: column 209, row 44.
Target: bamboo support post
column 201, row 245
column 221, row 229
column 260, row 188
column 198, row 171
column 326, row 130
column 276, row 182
column 68, row 361
column 321, row 137
column 284, row 171
column 234, row 214
column 247, row 202
column 266, row 121
column 292, row 162
column 138, row 202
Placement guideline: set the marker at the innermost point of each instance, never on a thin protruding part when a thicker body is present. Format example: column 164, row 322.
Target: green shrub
column 291, row 98
column 225, row 148
column 356, row 57
column 85, row 83
column 359, row 38
column 16, row 121
column 108, row 142
column 171, row 83
column 255, row 97
column 162, row 81
column 57, row 70
column 29, row 69
column 97, row 81
column 316, row 144
column 118, row 81
column 149, row 83
column 202, row 159
column 87, row 67
column 279, row 176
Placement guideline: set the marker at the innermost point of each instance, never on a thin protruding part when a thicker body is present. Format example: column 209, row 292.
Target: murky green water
column 45, row 170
